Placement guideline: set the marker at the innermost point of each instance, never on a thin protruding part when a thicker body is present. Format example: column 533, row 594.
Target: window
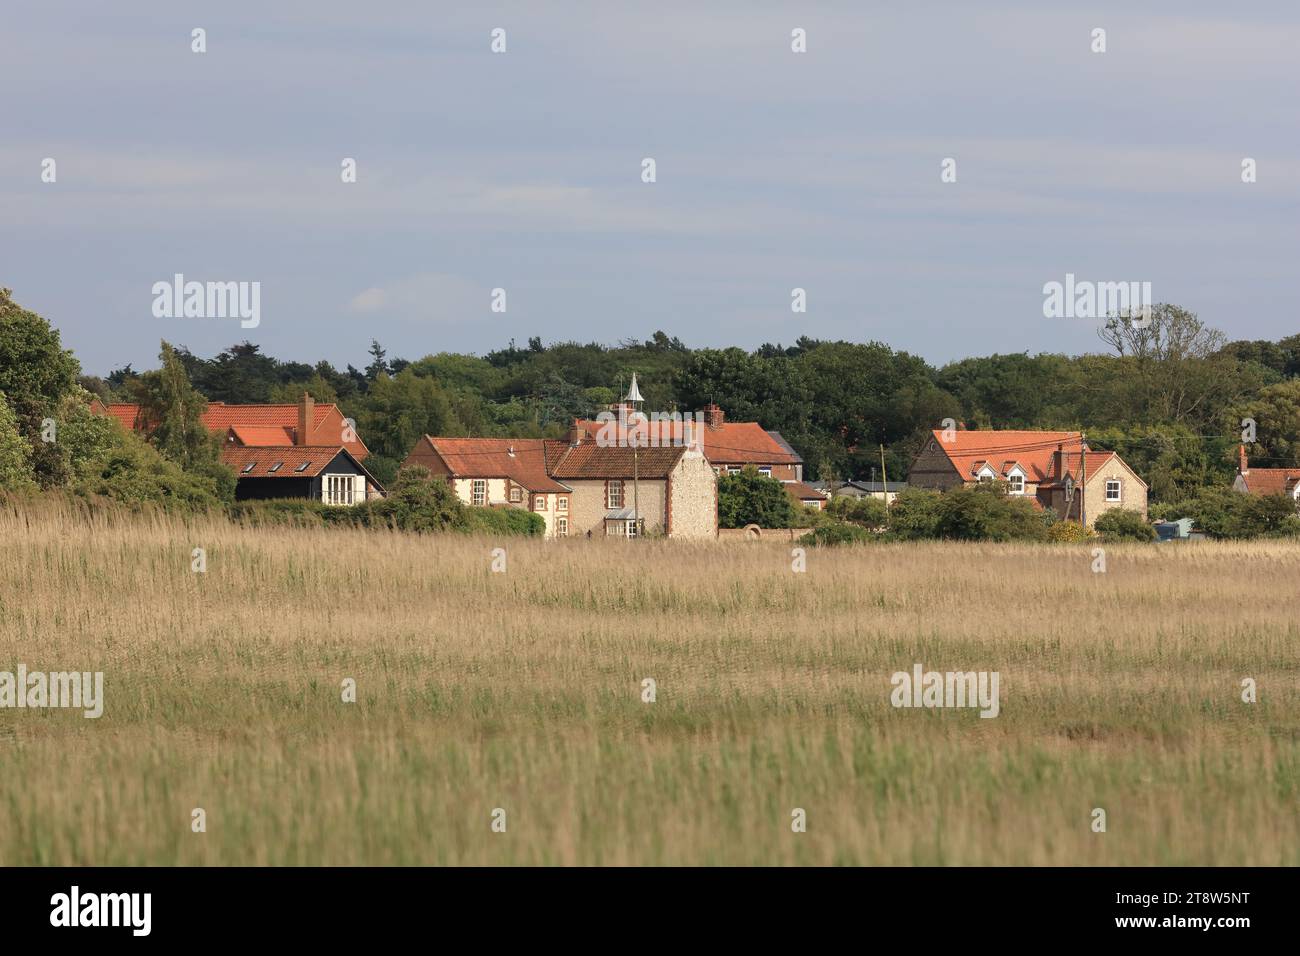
column 478, row 491
column 248, row 467
column 614, row 495
column 631, row 527
column 1112, row 489
column 303, row 467
column 1017, row 484
column 766, row 471
column 338, row 489
column 562, row 504
column 516, row 494
column 733, row 470
column 717, row 469
column 562, row 527
column 539, row 503
column 274, row 468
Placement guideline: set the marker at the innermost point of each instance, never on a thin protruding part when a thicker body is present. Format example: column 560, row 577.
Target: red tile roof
column 314, row 457
column 1271, row 481
column 256, row 424
column 1032, row 450
column 221, row 416
column 804, row 492
column 731, row 443
column 262, row 434
column 493, row 458
column 589, row 460
column 128, row 414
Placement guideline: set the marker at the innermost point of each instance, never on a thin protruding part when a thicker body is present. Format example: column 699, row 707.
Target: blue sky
column 522, row 171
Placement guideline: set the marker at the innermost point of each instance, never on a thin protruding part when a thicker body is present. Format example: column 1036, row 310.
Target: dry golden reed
column 522, row 691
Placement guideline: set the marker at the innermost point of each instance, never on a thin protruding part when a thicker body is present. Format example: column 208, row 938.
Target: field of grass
column 522, row 691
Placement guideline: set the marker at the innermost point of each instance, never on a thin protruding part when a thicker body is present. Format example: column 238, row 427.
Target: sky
column 522, row 171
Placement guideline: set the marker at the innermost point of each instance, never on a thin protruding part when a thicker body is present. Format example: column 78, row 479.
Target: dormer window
column 1016, row 484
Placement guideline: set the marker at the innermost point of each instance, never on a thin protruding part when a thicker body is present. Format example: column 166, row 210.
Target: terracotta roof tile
column 731, row 443
column 589, row 460
column 1032, row 450
column 493, row 458
column 311, row 458
column 1271, row 481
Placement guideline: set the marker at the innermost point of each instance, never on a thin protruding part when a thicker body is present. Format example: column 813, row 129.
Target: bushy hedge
column 416, row 503
column 1225, row 513
column 833, row 533
column 1069, row 532
column 1119, row 524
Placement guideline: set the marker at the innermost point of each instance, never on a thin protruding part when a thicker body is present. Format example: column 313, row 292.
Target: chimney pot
column 306, row 418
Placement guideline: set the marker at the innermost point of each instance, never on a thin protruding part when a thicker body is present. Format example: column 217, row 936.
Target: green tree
column 36, row 373
column 15, row 453
column 1119, row 524
column 985, row 512
column 750, row 498
column 1275, row 410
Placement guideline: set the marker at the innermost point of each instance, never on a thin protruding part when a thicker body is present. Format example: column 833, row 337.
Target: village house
column 592, row 484
column 1055, row 470
column 1265, row 481
column 885, row 491
column 302, row 450
column 728, row 446
column 578, row 487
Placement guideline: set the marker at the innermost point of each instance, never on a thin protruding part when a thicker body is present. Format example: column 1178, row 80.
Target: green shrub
column 834, row 533
column 504, row 521
column 1068, row 532
column 750, row 498
column 295, row 512
column 985, row 512
column 1224, row 513
column 867, row 512
column 914, row 514
column 1119, row 524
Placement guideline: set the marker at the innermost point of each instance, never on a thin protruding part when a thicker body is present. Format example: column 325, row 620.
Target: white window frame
column 629, row 527
column 1119, row 490
column 562, row 504
column 516, row 494
column 610, row 503
column 339, row 489
column 562, row 527
column 478, row 491
column 539, row 502
column 765, row 471
column 1016, row 484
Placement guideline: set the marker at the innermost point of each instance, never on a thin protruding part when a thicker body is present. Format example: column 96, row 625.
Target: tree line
column 1168, row 394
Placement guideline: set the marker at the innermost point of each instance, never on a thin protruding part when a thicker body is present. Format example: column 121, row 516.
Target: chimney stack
column 577, row 434
column 306, row 418
column 1242, row 465
column 713, row 415
column 1058, row 462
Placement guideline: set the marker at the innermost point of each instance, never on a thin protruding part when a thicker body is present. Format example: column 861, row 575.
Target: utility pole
column 1083, row 479
column 884, row 484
